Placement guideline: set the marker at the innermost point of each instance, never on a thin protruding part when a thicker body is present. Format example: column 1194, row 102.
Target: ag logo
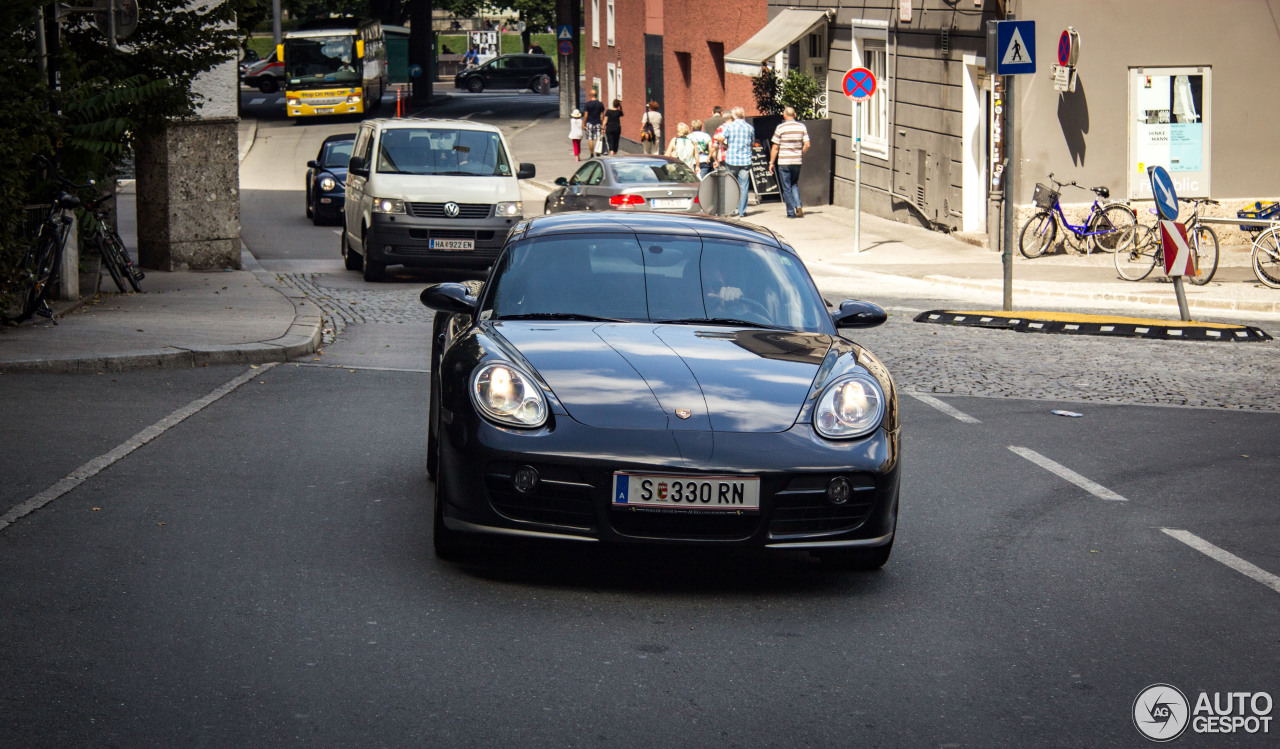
column 1160, row 712
column 451, row 209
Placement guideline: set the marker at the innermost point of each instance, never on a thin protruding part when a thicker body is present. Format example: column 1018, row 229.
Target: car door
column 595, row 193
column 573, row 197
column 500, row 73
column 355, row 203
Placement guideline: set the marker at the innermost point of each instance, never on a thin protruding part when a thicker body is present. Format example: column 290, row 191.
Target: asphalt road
column 250, row 565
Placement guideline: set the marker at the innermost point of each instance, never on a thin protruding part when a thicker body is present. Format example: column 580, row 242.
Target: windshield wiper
column 559, row 316
column 717, row 321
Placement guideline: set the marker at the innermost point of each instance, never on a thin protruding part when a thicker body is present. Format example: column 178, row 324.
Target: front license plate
column 324, row 110
column 452, row 244
column 671, row 203
column 684, row 493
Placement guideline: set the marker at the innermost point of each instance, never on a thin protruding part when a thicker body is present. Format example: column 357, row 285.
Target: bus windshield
column 319, row 61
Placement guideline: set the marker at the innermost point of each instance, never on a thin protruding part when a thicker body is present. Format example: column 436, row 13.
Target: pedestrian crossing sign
column 564, row 33
column 1011, row 47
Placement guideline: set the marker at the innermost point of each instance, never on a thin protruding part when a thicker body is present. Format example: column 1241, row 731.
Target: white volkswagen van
column 429, row 193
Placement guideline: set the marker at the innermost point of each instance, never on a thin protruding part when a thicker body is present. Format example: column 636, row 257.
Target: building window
column 609, row 25
column 717, row 58
column 873, row 54
column 611, row 75
column 595, row 23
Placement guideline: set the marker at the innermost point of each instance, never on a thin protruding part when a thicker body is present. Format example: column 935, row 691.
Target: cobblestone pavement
column 943, row 359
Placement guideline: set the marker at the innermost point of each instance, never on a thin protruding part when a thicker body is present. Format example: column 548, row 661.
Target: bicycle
column 1148, row 251
column 1265, row 257
column 115, row 256
column 40, row 263
column 1109, row 226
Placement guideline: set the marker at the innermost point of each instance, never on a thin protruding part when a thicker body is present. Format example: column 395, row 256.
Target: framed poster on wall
column 1170, row 125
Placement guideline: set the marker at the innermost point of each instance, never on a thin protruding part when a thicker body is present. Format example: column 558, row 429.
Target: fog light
column 839, row 490
column 525, row 479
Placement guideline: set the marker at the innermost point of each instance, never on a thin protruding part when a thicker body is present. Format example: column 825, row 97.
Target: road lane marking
column 257, row 100
column 354, row 367
column 945, row 408
column 98, row 464
column 1231, row 560
column 1097, row 490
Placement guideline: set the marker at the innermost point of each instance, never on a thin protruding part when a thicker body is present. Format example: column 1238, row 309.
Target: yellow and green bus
column 339, row 69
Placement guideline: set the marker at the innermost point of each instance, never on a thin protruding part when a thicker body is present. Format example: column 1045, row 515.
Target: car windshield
column 641, row 171
column 321, row 61
column 442, row 150
column 337, row 154
column 655, row 278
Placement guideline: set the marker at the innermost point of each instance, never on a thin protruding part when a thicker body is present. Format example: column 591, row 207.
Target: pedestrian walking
column 713, row 123
column 575, row 133
column 737, row 137
column 790, row 143
column 651, row 129
column 717, row 142
column 682, row 148
column 613, row 125
column 702, row 142
column 592, row 121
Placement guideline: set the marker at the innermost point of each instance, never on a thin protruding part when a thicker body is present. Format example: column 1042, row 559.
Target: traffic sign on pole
column 859, row 84
column 564, row 32
column 1162, row 189
column 1011, row 49
column 1179, row 260
column 566, row 48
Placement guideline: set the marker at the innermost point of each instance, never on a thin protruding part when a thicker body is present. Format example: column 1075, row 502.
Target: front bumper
column 307, row 107
column 576, row 465
column 330, row 204
column 403, row 239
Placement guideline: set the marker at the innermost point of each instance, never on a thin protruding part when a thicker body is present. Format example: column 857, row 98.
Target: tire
column 1037, row 234
column 38, row 265
column 112, row 261
column 310, row 210
column 350, row 258
column 448, row 544
column 131, row 273
column 268, row 85
column 1266, row 258
column 1119, row 226
column 1137, row 262
column 374, row 272
column 433, row 410
column 475, row 85
column 1204, row 243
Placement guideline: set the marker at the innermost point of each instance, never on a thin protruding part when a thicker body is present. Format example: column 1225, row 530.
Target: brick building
column 669, row 52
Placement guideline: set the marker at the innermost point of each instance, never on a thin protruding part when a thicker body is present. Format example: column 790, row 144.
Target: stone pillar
column 189, row 196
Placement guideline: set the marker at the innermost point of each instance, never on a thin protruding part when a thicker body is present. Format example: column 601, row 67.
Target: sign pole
column 1182, row 299
column 857, row 178
column 1006, row 185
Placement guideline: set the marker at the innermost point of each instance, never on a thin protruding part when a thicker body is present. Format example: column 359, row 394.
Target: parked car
column 264, row 75
column 640, row 378
column 509, row 72
column 627, row 183
column 429, row 193
column 327, row 179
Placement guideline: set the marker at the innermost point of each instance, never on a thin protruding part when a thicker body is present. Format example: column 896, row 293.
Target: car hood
column 438, row 189
column 641, row 376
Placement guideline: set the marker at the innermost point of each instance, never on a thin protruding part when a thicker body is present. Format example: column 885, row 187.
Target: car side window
column 498, row 64
column 579, row 177
column 594, row 173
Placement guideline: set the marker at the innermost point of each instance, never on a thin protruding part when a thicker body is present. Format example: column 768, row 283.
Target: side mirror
column 356, row 166
column 450, row 298
column 561, row 181
column 526, row 171
column 856, row 314
column 313, row 164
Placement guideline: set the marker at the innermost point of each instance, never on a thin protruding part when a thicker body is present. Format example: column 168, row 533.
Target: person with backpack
column 651, row 129
column 681, row 147
column 702, row 142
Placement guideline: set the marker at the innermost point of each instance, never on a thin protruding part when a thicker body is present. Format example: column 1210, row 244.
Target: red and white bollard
column 399, row 111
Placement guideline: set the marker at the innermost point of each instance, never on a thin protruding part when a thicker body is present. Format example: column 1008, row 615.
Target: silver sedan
column 627, row 183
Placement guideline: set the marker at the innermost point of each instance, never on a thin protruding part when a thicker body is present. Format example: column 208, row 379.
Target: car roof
column 340, row 137
column 412, row 123
column 655, row 223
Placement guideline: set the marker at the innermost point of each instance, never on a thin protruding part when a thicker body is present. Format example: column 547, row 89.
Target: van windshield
column 442, row 150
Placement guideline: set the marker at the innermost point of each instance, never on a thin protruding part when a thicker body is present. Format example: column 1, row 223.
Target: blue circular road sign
column 859, row 84
column 1162, row 190
column 566, row 47
column 415, row 70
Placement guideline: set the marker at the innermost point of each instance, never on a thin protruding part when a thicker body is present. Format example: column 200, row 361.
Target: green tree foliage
column 800, row 91
column 766, row 87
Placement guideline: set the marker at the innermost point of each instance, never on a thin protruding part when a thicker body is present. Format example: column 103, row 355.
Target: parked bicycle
column 1265, row 255
column 115, row 256
column 1148, row 252
column 40, row 263
column 1108, row 228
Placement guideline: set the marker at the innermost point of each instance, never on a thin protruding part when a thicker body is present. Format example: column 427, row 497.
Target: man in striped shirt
column 790, row 142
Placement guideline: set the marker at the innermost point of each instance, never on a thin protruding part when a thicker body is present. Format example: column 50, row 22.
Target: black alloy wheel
column 475, row 84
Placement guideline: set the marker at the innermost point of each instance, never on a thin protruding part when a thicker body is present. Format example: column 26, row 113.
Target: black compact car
column 627, row 183
column 509, row 72
column 659, row 379
column 327, row 179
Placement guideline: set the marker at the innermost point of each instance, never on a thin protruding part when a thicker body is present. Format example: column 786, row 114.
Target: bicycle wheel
column 1037, row 234
column 1266, row 258
column 1204, row 243
column 131, row 273
column 39, row 266
column 110, row 261
column 1114, row 228
column 1136, row 262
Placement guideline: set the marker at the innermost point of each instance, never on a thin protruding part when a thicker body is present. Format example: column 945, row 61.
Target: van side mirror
column 357, row 166
column 527, row 171
column 857, row 314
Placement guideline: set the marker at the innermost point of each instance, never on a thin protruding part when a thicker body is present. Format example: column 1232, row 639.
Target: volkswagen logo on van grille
column 451, row 209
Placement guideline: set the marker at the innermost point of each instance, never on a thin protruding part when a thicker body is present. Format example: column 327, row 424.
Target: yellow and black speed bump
column 1104, row 325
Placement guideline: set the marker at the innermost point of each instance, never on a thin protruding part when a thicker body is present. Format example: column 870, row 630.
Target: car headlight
column 388, row 205
column 510, row 209
column 327, row 183
column 852, row 406
column 509, row 396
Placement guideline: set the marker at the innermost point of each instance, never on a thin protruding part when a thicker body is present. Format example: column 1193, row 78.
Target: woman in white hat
column 575, row 133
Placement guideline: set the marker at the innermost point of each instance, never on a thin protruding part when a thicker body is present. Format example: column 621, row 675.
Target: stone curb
column 1141, row 297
